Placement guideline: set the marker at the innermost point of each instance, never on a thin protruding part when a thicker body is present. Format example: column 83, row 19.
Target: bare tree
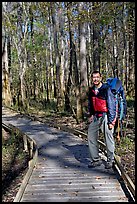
column 57, row 56
column 6, row 92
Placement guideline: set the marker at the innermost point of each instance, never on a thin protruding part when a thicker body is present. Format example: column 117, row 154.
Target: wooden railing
column 29, row 143
column 30, row 147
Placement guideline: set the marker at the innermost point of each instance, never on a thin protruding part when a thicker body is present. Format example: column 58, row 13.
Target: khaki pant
column 93, row 134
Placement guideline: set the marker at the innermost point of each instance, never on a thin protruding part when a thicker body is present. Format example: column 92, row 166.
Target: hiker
column 102, row 116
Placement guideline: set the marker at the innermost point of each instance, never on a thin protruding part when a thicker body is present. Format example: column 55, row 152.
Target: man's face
column 96, row 78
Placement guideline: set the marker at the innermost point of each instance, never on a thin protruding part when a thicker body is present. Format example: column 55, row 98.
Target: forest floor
column 13, row 172
column 14, row 165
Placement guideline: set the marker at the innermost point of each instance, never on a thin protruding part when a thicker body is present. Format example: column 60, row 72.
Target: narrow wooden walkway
column 62, row 173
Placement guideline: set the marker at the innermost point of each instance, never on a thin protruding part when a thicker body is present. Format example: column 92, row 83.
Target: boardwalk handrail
column 21, row 190
column 29, row 145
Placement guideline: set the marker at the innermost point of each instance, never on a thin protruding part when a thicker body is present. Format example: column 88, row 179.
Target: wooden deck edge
column 21, row 190
column 125, row 176
column 31, row 164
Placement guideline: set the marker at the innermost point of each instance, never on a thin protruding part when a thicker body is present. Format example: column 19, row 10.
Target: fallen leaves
column 98, row 177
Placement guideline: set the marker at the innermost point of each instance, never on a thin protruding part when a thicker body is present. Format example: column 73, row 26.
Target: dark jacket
column 103, row 102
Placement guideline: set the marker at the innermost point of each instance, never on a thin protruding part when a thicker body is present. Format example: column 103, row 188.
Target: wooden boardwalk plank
column 62, row 173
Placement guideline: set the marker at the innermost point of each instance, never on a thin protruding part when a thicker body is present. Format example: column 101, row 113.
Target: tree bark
column 6, row 92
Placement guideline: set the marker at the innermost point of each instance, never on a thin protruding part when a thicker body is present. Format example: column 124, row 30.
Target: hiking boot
column 109, row 165
column 95, row 163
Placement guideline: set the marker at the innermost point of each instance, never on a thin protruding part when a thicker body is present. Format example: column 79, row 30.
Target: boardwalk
column 62, row 173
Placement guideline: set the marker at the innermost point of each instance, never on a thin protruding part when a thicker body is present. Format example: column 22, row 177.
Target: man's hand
column 110, row 126
column 90, row 119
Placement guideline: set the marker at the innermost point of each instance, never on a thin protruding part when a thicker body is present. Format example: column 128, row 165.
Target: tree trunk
column 115, row 51
column 96, row 48
column 57, row 59
column 83, row 63
column 79, row 112
column 96, row 54
column 6, row 93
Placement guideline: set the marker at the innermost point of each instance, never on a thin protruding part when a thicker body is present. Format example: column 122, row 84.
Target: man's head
column 96, row 78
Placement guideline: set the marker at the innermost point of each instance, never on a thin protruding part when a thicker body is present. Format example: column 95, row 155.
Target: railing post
column 31, row 149
column 25, row 143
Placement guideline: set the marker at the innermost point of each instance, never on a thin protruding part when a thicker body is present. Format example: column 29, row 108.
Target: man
column 102, row 109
